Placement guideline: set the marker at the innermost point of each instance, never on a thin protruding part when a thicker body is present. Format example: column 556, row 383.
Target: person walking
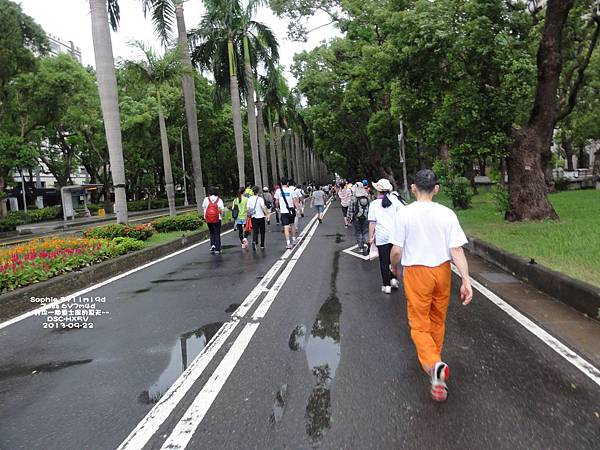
column 345, row 196
column 258, row 213
column 287, row 204
column 425, row 237
column 358, row 213
column 213, row 208
column 317, row 201
column 382, row 212
column 240, row 215
column 269, row 203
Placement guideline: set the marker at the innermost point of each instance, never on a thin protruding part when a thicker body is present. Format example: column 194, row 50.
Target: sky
column 69, row 20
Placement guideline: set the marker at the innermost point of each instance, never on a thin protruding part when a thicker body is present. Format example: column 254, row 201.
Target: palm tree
column 259, row 44
column 162, row 17
column 107, row 88
column 274, row 89
column 159, row 72
column 228, row 38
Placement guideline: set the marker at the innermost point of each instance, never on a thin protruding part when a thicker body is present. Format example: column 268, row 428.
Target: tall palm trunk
column 107, row 88
column 262, row 146
column 237, row 115
column 279, row 151
column 293, row 156
column 189, row 95
column 298, row 152
column 169, row 186
column 288, row 152
column 251, row 113
column 274, row 171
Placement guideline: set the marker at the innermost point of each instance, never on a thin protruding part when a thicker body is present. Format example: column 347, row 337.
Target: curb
column 17, row 302
column 582, row 296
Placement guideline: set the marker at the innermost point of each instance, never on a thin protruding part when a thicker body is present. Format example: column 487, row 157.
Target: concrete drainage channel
column 582, row 296
column 17, row 302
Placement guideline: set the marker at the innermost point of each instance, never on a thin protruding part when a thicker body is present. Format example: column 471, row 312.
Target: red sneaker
column 439, row 375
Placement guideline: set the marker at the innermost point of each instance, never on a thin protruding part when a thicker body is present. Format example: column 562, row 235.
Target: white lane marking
column 70, row 297
column 183, row 432
column 567, row 353
column 148, row 426
column 187, row 425
column 350, row 252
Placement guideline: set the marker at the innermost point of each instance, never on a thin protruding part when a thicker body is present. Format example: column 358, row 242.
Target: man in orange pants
column 426, row 236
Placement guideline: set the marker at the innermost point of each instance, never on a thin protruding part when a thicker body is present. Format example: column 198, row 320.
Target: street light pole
column 185, row 198
column 403, row 159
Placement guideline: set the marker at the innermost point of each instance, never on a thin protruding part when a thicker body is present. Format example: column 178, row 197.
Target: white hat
column 266, row 189
column 383, row 185
column 360, row 191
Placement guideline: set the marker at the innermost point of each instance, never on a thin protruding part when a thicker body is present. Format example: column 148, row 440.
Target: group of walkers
column 252, row 210
column 415, row 243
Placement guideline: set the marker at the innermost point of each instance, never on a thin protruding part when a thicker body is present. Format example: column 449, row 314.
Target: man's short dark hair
column 284, row 181
column 212, row 190
column 425, row 180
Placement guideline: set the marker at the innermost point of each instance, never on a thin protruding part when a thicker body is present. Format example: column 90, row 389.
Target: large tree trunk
column 189, row 95
column 107, row 88
column 169, row 186
column 567, row 146
column 596, row 168
column 274, row 175
column 262, row 145
column 293, row 156
column 252, row 130
column 526, row 182
column 279, row 151
column 3, row 209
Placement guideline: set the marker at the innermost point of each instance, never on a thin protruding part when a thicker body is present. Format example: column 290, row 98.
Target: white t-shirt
column 427, row 231
column 258, row 204
column 289, row 196
column 220, row 205
column 384, row 218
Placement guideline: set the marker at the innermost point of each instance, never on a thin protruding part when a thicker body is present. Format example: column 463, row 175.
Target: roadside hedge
column 183, row 222
column 116, row 230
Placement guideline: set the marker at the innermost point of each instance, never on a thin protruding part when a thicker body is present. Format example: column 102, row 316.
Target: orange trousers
column 427, row 292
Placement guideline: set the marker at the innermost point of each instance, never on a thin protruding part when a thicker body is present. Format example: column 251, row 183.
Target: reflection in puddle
column 279, row 405
column 10, row 372
column 297, row 338
column 323, row 354
column 188, row 346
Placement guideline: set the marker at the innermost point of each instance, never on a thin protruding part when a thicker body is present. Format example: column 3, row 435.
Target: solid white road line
column 567, row 353
column 187, row 425
column 70, row 297
column 144, row 431
column 183, row 432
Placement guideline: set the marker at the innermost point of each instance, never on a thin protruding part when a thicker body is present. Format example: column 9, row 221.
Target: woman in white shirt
column 382, row 212
column 258, row 212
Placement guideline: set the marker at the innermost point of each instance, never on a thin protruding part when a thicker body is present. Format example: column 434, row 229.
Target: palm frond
column 114, row 14
column 163, row 17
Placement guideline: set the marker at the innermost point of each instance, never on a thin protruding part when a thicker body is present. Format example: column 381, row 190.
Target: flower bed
column 41, row 259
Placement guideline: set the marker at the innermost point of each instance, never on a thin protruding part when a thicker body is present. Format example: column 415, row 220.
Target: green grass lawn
column 570, row 245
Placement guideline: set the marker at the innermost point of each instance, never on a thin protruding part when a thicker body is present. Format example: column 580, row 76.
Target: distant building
column 58, row 46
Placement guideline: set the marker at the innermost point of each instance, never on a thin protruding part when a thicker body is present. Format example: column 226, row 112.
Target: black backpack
column 362, row 208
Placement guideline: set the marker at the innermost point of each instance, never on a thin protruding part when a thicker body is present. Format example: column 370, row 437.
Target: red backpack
column 212, row 211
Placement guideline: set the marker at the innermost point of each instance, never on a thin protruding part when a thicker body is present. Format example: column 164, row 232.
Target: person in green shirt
column 240, row 216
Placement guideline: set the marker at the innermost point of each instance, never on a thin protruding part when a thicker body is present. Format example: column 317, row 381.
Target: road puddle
column 231, row 308
column 20, row 371
column 279, row 405
column 188, row 346
column 323, row 353
column 172, row 280
column 297, row 338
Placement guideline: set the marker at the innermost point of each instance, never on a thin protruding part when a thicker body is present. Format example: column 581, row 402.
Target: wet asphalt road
column 330, row 366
